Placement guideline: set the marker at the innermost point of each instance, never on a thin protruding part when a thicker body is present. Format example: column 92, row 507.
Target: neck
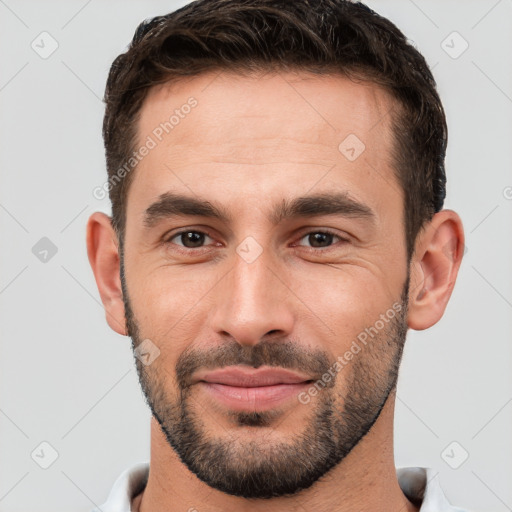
column 364, row 480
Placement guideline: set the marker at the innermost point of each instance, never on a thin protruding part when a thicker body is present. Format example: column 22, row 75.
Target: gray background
column 68, row 380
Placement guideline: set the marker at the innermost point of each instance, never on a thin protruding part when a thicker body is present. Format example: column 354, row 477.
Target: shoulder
column 421, row 485
column 129, row 484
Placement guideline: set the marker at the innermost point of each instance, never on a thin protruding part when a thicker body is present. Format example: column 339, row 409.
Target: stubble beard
column 238, row 465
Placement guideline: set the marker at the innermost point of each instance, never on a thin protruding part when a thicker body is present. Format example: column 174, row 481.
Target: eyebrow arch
column 335, row 203
column 171, row 205
column 329, row 203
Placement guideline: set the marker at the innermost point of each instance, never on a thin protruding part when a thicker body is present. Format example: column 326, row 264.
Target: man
column 276, row 172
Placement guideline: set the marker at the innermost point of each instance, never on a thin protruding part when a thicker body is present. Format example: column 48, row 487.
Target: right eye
column 189, row 239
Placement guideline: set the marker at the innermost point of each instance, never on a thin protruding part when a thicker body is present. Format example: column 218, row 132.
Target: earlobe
column 103, row 253
column 434, row 269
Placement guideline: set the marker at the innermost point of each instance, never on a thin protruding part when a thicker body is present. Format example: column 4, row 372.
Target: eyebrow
column 335, row 203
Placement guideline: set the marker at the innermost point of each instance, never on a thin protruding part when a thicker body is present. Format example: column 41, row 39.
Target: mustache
column 284, row 354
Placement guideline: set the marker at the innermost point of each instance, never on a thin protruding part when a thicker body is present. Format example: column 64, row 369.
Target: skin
column 251, row 142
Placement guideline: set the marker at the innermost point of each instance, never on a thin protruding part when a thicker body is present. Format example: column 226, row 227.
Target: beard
column 249, row 468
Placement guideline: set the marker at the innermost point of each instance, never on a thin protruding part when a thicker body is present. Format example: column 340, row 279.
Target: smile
column 248, row 389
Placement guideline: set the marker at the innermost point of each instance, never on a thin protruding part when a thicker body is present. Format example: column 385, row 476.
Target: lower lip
column 256, row 398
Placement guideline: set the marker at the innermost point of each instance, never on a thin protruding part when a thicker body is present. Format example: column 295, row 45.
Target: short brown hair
column 320, row 36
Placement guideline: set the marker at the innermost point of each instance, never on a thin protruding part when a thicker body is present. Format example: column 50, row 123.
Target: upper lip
column 245, row 377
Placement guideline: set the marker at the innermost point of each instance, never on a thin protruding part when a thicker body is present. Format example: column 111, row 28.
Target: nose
column 253, row 302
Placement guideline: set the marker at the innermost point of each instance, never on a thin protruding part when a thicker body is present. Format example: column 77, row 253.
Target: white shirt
column 416, row 484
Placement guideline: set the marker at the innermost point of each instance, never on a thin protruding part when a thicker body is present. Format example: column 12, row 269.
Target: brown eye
column 189, row 239
column 319, row 239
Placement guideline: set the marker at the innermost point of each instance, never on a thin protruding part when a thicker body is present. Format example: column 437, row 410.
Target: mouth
column 242, row 388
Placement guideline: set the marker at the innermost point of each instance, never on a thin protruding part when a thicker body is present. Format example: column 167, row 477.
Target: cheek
column 346, row 300
column 154, row 286
column 167, row 300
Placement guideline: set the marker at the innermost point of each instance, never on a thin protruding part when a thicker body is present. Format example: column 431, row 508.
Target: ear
column 434, row 267
column 103, row 252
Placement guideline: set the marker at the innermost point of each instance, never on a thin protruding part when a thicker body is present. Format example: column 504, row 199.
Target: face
column 264, row 264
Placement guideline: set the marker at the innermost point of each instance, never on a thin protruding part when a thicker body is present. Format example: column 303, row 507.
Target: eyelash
column 187, row 250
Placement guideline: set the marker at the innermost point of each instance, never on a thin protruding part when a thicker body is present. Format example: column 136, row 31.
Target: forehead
column 271, row 133
column 309, row 106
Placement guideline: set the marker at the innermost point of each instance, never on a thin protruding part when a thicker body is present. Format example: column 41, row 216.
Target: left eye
column 190, row 239
column 319, row 239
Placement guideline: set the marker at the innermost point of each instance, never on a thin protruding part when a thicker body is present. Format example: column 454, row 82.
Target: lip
column 250, row 378
column 245, row 389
